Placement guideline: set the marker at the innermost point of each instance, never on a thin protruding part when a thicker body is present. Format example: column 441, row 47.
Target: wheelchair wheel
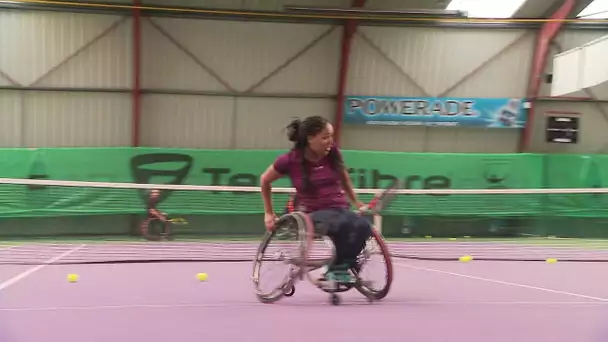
column 153, row 229
column 375, row 258
column 284, row 250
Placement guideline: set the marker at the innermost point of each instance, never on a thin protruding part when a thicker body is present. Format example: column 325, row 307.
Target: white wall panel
column 5, row 81
column 592, row 132
column 315, row 71
column 105, row 63
column 187, row 121
column 46, row 40
column 240, row 53
column 383, row 138
column 471, row 140
column 370, row 73
column 55, row 119
column 429, row 139
column 223, row 122
column 434, row 60
column 259, row 5
column 260, row 122
column 10, row 118
column 165, row 66
column 504, row 76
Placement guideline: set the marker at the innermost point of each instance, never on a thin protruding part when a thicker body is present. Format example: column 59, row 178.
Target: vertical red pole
column 136, row 88
column 541, row 53
column 347, row 36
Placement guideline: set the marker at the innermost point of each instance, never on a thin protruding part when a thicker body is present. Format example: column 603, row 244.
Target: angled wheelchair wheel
column 375, row 274
column 279, row 260
column 153, row 229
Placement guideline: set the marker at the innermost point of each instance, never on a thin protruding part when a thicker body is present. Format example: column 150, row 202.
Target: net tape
column 119, row 185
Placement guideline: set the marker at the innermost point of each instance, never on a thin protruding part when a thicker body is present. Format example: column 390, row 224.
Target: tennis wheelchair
column 153, row 229
column 304, row 249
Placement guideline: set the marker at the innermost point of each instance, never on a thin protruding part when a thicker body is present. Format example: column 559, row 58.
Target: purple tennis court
column 429, row 301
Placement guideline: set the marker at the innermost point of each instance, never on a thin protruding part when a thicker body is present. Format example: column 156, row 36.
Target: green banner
column 368, row 169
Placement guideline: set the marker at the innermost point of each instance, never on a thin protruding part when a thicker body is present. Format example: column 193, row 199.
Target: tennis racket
column 178, row 221
column 382, row 199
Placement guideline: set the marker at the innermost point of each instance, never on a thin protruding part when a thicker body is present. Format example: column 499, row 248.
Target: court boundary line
column 501, row 282
column 28, row 272
column 320, row 303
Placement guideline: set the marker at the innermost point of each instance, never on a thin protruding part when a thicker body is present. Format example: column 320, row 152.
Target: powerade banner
column 404, row 111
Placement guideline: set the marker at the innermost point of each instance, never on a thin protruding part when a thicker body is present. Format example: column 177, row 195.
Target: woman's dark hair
column 298, row 133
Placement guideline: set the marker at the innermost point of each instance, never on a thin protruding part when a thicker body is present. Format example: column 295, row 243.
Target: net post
column 377, row 224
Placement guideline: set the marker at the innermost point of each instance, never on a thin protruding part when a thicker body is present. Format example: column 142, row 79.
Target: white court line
column 261, row 305
column 34, row 269
column 507, row 283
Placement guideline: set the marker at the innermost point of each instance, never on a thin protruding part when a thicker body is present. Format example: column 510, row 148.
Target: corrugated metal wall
column 249, row 63
column 433, row 62
column 65, row 50
column 211, row 74
column 229, row 84
column 11, row 109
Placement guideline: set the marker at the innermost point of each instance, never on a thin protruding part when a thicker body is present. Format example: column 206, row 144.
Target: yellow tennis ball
column 551, row 261
column 452, row 239
column 201, row 276
column 428, row 236
column 465, row 258
column 72, row 278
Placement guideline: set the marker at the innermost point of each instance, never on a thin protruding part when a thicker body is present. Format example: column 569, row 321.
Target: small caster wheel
column 289, row 291
column 335, row 300
column 370, row 300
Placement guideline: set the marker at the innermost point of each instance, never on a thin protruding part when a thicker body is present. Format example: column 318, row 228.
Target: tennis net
column 63, row 222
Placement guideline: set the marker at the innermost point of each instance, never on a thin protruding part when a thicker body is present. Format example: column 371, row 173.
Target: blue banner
column 403, row 111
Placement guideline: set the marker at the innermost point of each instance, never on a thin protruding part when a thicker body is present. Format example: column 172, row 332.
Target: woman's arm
column 347, row 185
column 266, row 180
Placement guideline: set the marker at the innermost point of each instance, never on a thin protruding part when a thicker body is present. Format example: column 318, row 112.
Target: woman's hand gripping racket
column 381, row 200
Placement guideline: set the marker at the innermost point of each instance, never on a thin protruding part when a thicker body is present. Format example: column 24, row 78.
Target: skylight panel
column 598, row 9
column 487, row 8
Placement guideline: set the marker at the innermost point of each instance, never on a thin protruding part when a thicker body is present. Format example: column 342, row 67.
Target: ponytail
column 300, row 141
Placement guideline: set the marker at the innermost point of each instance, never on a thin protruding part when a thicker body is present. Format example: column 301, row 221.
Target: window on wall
column 487, row 8
column 598, row 9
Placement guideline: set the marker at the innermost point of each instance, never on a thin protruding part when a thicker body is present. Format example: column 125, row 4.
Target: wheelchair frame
column 302, row 267
column 167, row 230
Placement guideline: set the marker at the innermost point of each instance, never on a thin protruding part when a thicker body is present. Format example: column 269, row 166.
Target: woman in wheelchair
column 323, row 190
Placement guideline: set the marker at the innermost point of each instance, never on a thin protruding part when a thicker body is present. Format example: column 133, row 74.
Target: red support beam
column 350, row 27
column 136, row 88
column 546, row 35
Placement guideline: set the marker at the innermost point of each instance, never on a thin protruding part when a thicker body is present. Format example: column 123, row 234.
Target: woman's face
column 322, row 142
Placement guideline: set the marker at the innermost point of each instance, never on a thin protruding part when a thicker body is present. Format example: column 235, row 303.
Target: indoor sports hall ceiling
column 484, row 8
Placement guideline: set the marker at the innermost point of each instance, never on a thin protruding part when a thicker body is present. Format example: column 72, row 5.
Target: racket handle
column 363, row 209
